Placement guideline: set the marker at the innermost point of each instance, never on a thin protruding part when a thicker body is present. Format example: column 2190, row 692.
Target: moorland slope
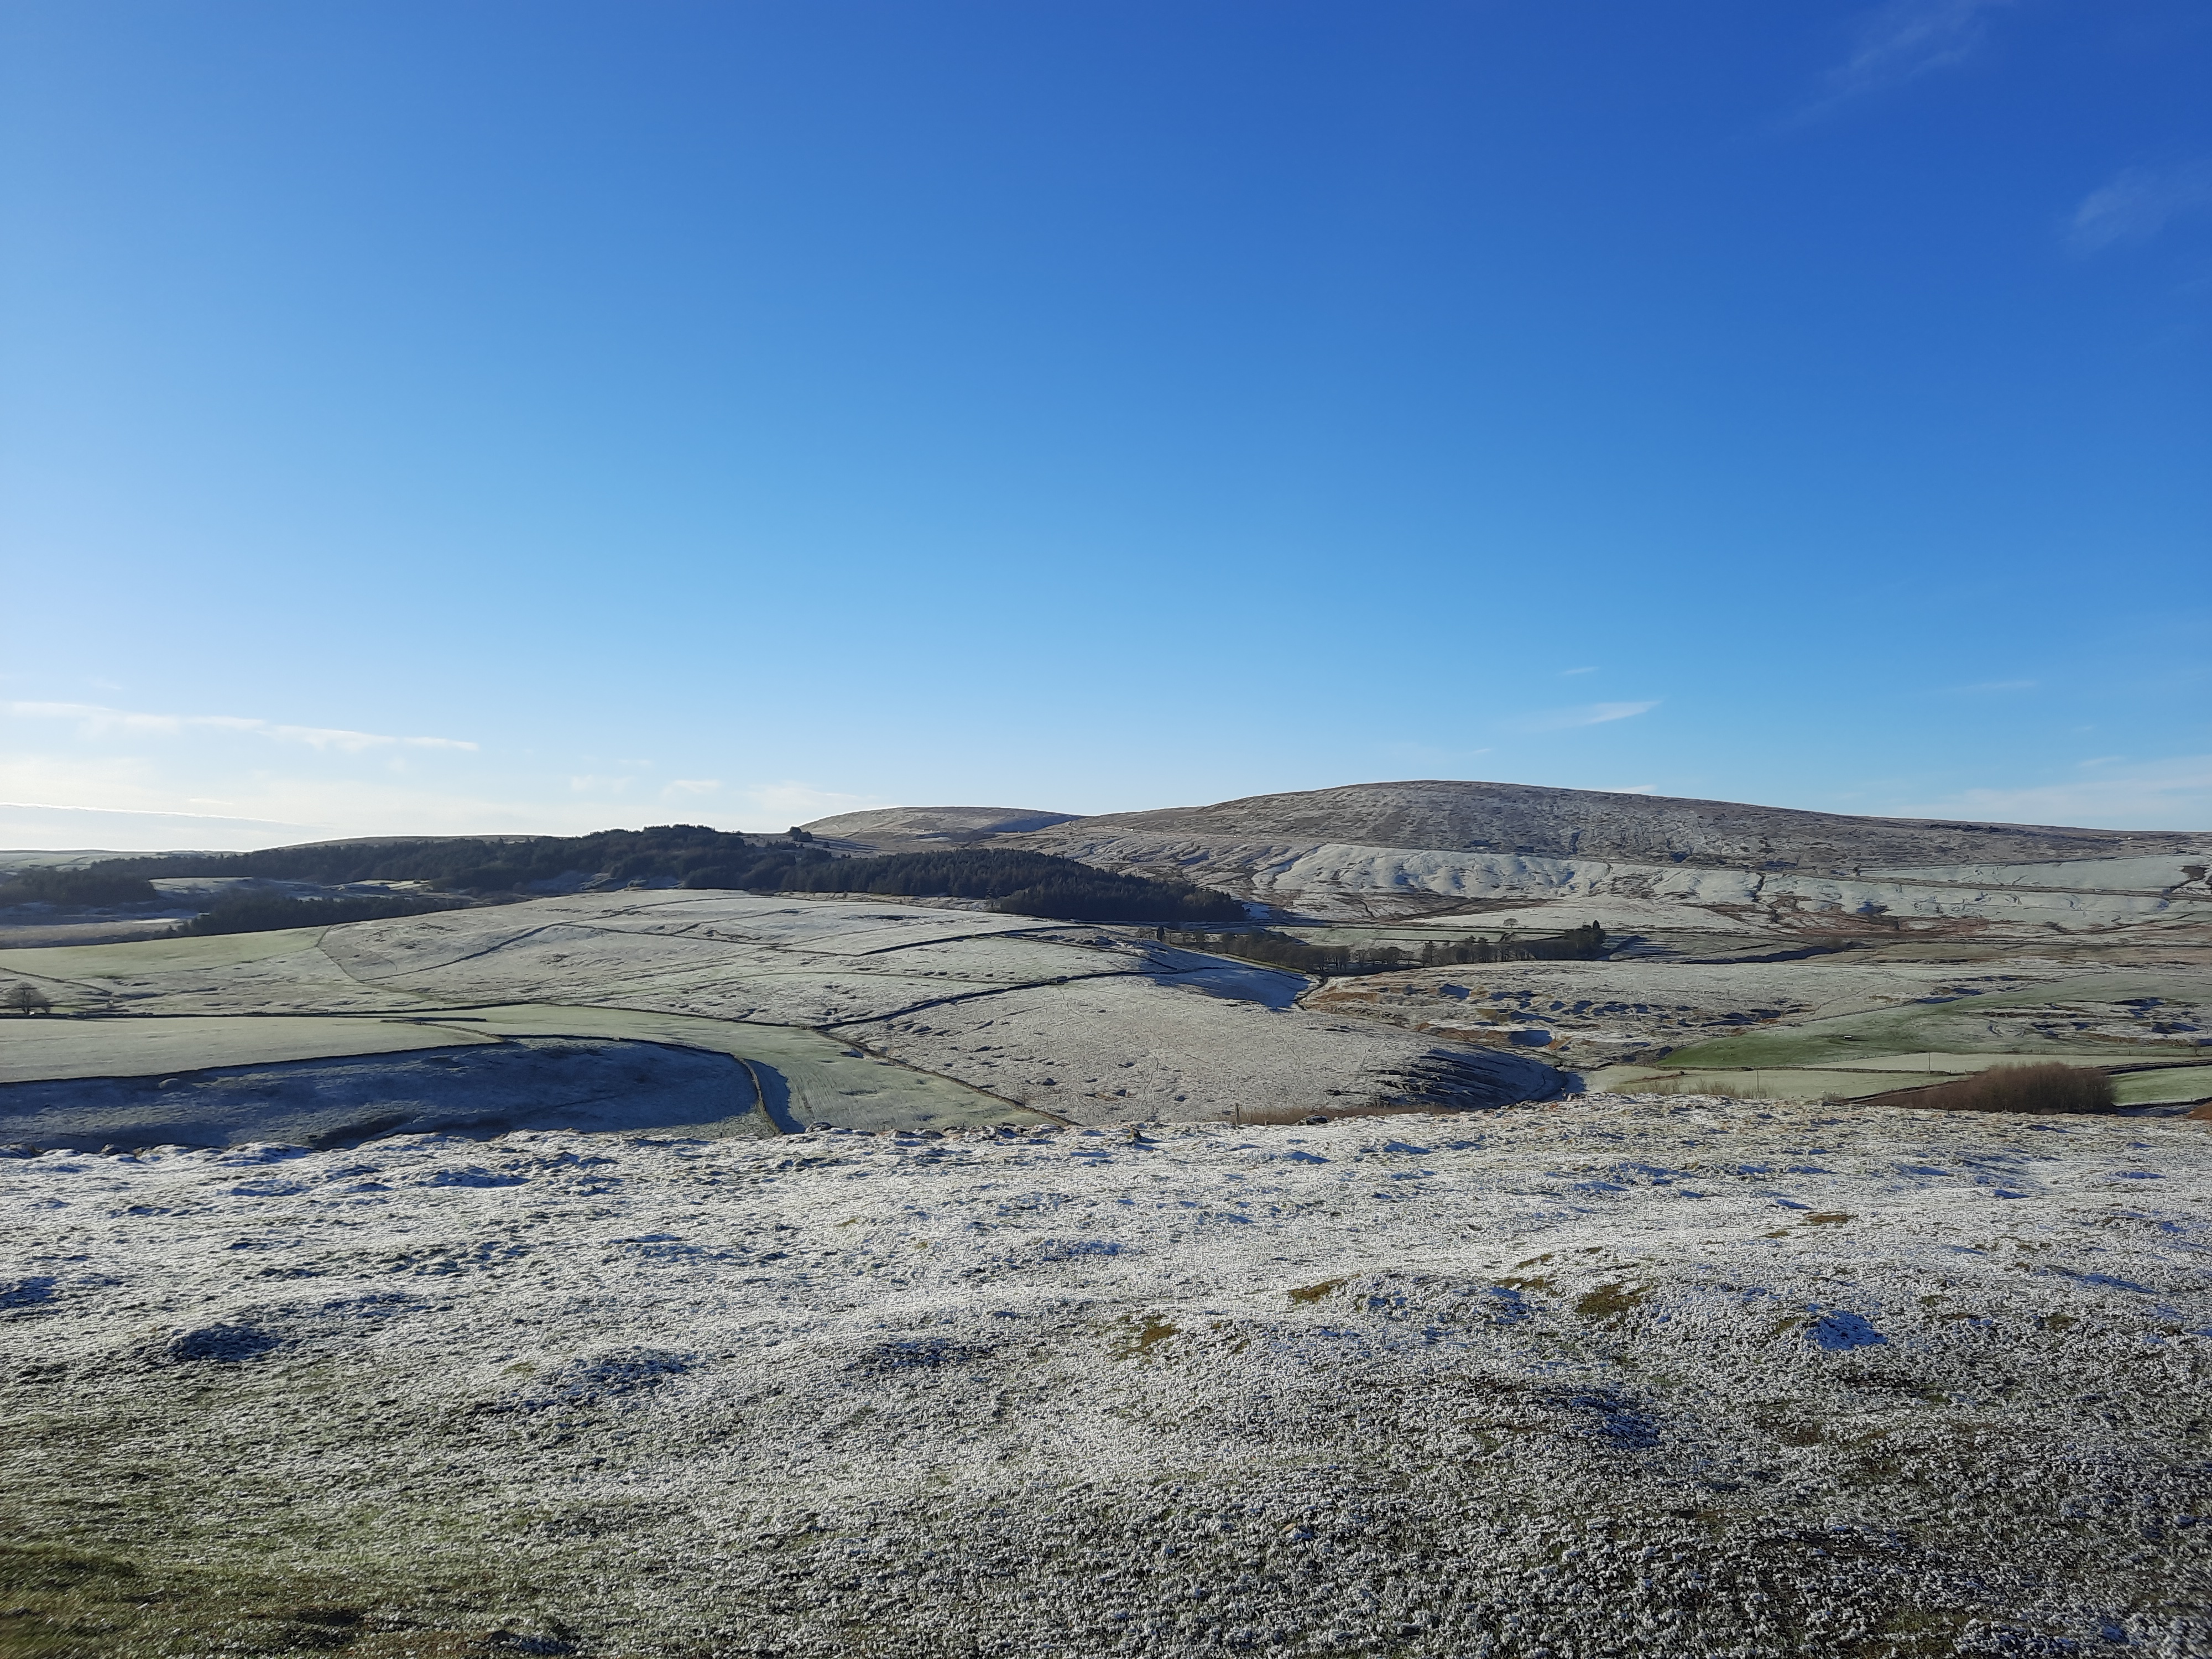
column 1453, row 815
column 1646, row 864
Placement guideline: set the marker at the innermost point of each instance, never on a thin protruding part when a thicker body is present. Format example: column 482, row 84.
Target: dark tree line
column 1324, row 961
column 1583, row 943
column 686, row 854
column 470, row 865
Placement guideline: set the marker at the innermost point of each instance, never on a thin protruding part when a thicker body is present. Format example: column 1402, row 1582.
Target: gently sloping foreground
column 1606, row 1377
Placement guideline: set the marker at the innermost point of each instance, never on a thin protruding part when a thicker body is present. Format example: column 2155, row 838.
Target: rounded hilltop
column 1448, row 815
column 1433, row 849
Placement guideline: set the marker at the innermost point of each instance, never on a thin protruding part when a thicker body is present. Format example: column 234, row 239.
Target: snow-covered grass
column 1610, row 1376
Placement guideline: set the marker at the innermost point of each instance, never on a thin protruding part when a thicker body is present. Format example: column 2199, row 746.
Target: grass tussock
column 1279, row 1117
column 2050, row 1087
column 1707, row 1086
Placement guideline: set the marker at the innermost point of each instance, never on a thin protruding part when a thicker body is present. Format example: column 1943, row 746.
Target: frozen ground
column 1604, row 1378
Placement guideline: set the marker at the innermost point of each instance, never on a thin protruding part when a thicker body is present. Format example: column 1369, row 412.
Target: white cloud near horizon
column 37, row 826
column 181, row 780
column 95, row 720
column 2175, row 793
column 2138, row 203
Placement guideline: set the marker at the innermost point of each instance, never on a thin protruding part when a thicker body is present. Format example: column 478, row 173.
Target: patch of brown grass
column 1609, row 1302
column 2050, row 1087
column 1262, row 1117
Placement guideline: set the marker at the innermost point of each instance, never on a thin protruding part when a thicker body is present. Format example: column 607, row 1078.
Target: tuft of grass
column 1313, row 1293
column 1148, row 1333
column 1609, row 1302
column 2046, row 1088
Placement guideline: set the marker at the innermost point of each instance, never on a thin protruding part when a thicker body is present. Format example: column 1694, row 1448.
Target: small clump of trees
column 2050, row 1087
column 102, row 887
column 25, row 999
column 261, row 915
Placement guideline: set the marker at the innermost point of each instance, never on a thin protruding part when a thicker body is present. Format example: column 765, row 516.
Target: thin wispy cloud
column 139, row 812
column 1901, row 42
column 689, row 788
column 96, row 721
column 2138, row 203
column 1588, row 713
column 1908, row 38
column 1431, row 754
column 141, row 829
column 1632, row 789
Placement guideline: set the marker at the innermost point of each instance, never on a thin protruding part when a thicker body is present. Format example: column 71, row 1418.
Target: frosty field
column 1600, row 1377
column 862, row 1014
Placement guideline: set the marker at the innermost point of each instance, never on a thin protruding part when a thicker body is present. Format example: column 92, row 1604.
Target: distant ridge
column 1433, row 847
column 1445, row 814
column 902, row 829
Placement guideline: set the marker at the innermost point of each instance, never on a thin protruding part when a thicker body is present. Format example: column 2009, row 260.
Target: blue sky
column 435, row 417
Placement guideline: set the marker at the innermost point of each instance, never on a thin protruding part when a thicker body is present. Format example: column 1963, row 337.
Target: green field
column 2168, row 1085
column 51, row 1048
column 2029, row 1022
column 67, row 962
column 829, row 1081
